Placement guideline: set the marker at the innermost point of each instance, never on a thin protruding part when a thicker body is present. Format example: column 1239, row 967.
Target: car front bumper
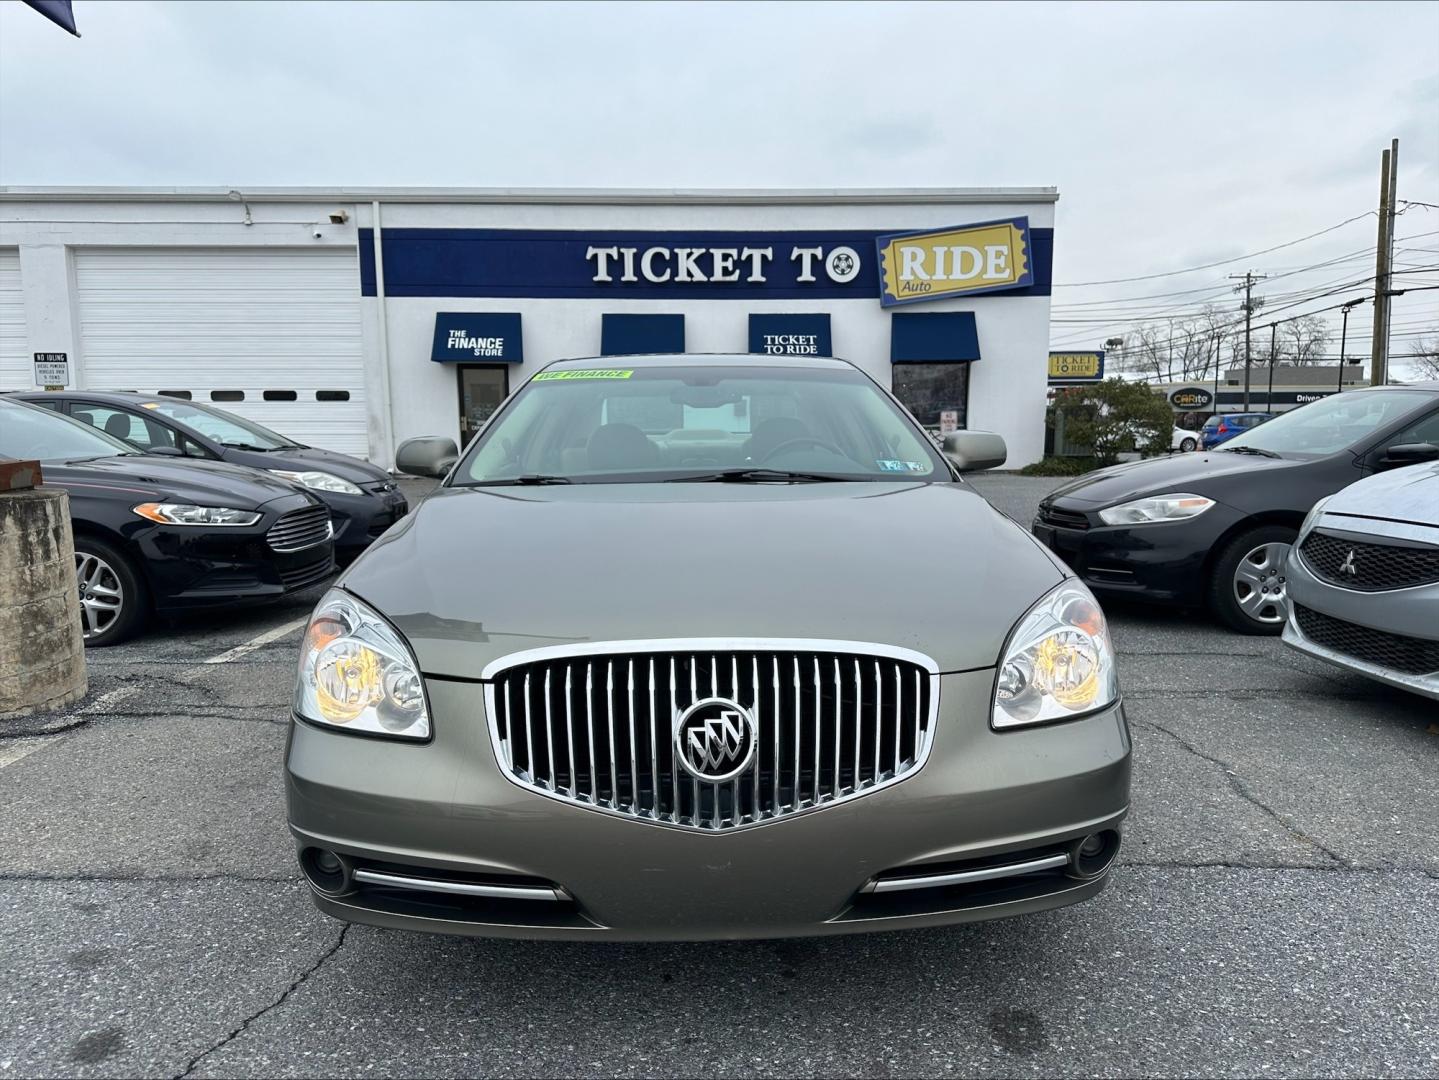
column 446, row 810
column 1156, row 563
column 1412, row 613
column 360, row 520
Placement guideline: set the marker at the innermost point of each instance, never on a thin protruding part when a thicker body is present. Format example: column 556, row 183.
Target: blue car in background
column 1224, row 426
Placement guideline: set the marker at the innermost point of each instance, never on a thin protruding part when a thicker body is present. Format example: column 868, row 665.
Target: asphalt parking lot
column 1276, row 911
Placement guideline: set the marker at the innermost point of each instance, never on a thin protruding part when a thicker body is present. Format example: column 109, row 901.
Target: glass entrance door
column 482, row 388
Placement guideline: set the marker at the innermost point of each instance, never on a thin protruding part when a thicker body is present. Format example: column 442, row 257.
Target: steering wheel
column 804, row 440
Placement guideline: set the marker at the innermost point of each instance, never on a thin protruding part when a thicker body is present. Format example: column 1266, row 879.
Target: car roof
column 116, row 396
column 663, row 360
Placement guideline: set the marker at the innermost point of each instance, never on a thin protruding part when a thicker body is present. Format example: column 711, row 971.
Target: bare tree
column 1425, row 357
column 1302, row 341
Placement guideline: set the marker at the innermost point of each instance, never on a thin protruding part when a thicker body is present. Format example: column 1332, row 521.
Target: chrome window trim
column 680, row 645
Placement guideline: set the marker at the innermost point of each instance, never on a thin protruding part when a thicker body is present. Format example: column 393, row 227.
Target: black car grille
column 1370, row 567
column 1049, row 514
column 599, row 730
column 312, row 573
column 300, row 529
column 1397, row 652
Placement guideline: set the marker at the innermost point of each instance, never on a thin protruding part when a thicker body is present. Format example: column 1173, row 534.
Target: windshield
column 1332, row 424
column 675, row 423
column 225, row 428
column 39, row 434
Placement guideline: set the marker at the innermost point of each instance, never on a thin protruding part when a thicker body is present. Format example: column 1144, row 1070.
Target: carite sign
column 1191, row 397
column 1068, row 367
column 829, row 264
column 961, row 261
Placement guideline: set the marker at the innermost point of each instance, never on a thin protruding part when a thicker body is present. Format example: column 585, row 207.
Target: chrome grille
column 300, row 529
column 597, row 727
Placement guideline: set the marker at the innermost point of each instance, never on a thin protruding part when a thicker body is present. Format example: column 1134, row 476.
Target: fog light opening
column 1093, row 855
column 327, row 871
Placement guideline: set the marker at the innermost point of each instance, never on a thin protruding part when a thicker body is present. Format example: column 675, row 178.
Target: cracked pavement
column 1276, row 911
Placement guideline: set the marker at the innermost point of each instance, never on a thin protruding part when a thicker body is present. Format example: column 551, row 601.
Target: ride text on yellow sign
column 961, row 261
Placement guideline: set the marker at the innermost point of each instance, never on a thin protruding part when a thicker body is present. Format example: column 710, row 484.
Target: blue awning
column 623, row 334
column 790, row 335
column 477, row 337
column 941, row 337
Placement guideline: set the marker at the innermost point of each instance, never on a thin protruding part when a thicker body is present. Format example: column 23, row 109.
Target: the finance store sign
column 893, row 267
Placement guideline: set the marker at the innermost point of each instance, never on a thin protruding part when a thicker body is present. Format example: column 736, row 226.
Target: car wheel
column 113, row 603
column 1187, row 445
column 1247, row 586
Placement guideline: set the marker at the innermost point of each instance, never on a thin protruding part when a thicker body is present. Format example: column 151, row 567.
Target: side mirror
column 972, row 451
column 1408, row 454
column 429, row 455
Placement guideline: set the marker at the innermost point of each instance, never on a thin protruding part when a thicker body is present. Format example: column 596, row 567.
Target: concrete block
column 42, row 652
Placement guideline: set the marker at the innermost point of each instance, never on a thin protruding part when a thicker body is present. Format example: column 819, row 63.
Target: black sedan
column 158, row 533
column 363, row 499
column 1214, row 528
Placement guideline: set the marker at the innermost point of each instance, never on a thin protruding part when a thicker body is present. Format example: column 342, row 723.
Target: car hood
column 158, row 477
column 300, row 458
column 476, row 574
column 1193, row 472
column 1408, row 494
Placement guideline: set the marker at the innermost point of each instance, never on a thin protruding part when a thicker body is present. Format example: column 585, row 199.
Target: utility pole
column 1384, row 265
column 1269, row 398
column 1249, row 277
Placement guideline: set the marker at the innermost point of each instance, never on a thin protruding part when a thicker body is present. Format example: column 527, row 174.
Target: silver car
column 692, row 647
column 1364, row 579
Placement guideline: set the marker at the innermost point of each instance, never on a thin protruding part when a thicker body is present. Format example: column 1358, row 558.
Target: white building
column 355, row 319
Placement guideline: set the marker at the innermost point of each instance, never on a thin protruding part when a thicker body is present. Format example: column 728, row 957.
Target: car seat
column 773, row 433
column 118, row 425
column 621, row 446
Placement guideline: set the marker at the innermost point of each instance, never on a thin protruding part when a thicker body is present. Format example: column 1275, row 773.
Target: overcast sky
column 1177, row 134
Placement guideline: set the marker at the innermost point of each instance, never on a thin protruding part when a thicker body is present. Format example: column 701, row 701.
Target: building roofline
column 580, row 196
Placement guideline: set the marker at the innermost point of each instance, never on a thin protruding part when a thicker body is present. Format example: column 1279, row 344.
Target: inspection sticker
column 601, row 373
column 890, row 465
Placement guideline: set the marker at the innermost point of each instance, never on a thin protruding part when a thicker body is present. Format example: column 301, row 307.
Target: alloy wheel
column 1259, row 584
column 102, row 596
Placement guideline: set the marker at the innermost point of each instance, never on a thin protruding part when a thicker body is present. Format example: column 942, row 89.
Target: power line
column 1221, row 262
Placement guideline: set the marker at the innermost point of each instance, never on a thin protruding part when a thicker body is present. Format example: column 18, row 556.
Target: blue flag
column 58, row 12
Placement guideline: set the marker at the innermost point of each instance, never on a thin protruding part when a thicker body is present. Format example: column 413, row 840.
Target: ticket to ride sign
column 1069, row 367
column 962, row 261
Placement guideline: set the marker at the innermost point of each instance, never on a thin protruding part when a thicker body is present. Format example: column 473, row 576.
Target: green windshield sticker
column 601, row 373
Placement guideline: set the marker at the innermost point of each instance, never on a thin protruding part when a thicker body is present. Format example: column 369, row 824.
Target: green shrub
column 1060, row 466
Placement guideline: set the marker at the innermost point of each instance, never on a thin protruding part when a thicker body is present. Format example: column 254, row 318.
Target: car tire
column 1246, row 584
column 1187, row 445
column 114, row 602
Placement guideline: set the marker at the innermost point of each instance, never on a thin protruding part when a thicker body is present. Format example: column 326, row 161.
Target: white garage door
column 16, row 372
column 273, row 335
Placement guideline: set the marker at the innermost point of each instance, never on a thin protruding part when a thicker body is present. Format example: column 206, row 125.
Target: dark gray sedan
column 696, row 647
column 1364, row 580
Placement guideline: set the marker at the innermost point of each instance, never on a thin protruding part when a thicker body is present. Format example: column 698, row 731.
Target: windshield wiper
column 1249, row 450
column 523, row 481
column 247, row 446
column 754, row 476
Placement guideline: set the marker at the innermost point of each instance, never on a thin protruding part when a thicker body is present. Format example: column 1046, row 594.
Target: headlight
column 1156, row 508
column 319, row 481
column 1313, row 516
column 1059, row 661
column 356, row 673
column 188, row 514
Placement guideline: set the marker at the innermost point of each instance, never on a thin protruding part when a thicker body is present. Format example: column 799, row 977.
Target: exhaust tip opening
column 1093, row 855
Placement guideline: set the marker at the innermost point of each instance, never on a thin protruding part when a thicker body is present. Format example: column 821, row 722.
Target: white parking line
column 256, row 642
column 107, row 701
column 18, row 749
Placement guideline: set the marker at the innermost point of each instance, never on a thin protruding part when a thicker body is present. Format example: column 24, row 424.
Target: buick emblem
column 1347, row 566
column 715, row 739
